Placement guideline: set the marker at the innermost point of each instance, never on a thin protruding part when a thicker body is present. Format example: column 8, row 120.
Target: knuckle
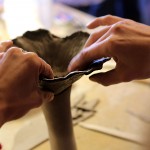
column 119, row 26
column 14, row 51
column 112, row 43
column 107, row 19
column 109, row 16
column 31, row 58
column 31, row 55
column 97, row 19
column 93, row 37
column 84, row 54
column 128, row 21
column 113, row 40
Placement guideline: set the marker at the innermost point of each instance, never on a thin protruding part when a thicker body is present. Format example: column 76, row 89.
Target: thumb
column 4, row 45
column 106, row 78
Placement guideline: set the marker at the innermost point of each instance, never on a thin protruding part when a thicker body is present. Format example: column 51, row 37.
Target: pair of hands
column 19, row 78
column 126, row 41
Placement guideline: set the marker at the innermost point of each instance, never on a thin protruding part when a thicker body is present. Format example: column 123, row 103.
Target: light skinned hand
column 19, row 78
column 124, row 40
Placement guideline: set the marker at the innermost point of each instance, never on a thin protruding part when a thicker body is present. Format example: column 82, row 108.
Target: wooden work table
column 119, row 108
column 122, row 107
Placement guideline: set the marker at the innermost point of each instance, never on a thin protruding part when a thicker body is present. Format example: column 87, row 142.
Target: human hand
column 126, row 41
column 19, row 78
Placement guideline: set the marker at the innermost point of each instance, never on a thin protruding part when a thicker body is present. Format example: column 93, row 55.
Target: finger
column 107, row 78
column 89, row 54
column 105, row 20
column 14, row 51
column 46, row 70
column 1, row 54
column 4, row 45
column 113, row 31
column 95, row 36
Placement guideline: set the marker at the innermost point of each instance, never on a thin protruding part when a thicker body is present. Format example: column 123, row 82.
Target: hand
column 126, row 41
column 19, row 77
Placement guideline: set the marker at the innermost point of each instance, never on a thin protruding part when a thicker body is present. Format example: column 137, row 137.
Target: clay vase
column 57, row 52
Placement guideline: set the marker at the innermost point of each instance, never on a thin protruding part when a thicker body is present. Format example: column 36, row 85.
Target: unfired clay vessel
column 57, row 52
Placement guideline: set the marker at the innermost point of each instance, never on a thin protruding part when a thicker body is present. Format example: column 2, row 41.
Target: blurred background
column 138, row 10
column 123, row 107
column 32, row 14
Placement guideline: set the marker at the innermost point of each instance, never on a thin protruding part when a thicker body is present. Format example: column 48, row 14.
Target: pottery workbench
column 123, row 107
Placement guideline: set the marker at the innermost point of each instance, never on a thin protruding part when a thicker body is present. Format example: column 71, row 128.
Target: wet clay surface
column 57, row 52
